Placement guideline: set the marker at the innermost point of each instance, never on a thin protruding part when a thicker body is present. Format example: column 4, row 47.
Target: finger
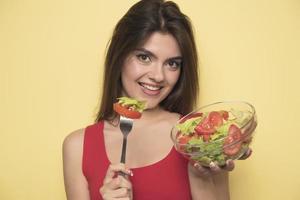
column 229, row 166
column 116, row 188
column 120, row 167
column 121, row 192
column 246, row 155
column 119, row 182
column 113, row 169
column 214, row 167
column 248, row 139
column 201, row 170
column 114, row 184
column 107, row 190
column 125, row 182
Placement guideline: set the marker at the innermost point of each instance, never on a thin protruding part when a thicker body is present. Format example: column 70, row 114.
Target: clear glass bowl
column 215, row 132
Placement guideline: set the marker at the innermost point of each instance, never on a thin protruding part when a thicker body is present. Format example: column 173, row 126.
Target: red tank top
column 164, row 180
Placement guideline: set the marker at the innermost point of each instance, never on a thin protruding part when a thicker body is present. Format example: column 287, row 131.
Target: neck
column 153, row 112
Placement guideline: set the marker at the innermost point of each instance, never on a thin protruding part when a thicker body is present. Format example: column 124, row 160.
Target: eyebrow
column 153, row 55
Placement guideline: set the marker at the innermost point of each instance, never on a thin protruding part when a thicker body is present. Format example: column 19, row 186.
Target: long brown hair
column 134, row 28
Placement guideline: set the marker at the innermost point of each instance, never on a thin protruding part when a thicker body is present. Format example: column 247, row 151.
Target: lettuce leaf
column 136, row 105
column 189, row 125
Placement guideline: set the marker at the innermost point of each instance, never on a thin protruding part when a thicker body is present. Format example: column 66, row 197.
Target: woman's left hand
column 229, row 165
column 215, row 169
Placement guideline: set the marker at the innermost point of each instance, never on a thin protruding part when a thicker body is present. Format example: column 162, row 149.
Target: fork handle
column 123, row 154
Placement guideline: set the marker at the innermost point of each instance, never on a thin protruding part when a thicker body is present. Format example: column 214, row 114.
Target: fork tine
column 125, row 124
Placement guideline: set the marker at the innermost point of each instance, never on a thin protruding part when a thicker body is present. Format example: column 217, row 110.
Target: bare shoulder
column 74, row 141
column 76, row 185
column 172, row 117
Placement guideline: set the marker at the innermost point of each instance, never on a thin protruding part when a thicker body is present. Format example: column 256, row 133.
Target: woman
column 151, row 57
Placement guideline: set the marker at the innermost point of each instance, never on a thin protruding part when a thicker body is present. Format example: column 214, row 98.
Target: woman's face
column 151, row 71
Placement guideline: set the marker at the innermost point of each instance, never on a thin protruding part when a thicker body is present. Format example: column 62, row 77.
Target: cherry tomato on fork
column 126, row 111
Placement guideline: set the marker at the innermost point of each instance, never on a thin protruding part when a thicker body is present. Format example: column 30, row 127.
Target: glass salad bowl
column 215, row 132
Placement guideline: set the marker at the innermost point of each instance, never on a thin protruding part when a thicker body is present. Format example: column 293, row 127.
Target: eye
column 144, row 58
column 174, row 64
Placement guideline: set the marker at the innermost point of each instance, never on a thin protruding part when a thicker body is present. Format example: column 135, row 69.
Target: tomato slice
column 232, row 143
column 124, row 111
column 215, row 118
column 224, row 114
column 210, row 123
column 206, row 138
column 203, row 129
column 182, row 141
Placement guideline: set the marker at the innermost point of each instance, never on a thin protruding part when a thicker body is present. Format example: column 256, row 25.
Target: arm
column 222, row 185
column 117, row 186
column 208, row 186
column 212, row 183
column 76, row 186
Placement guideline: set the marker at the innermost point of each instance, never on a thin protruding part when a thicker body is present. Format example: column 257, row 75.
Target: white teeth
column 150, row 87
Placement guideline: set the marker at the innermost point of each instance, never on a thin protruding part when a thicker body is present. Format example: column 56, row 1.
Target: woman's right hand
column 115, row 186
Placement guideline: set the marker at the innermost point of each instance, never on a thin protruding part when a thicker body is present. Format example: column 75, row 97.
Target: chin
column 151, row 107
column 153, row 104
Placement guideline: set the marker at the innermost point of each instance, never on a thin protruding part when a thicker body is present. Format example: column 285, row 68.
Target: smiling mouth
column 150, row 87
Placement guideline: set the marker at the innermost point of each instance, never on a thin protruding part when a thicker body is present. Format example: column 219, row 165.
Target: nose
column 156, row 73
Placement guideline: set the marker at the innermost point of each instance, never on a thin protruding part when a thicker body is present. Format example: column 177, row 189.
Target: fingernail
column 212, row 165
column 196, row 164
column 116, row 180
column 229, row 162
column 130, row 172
column 249, row 152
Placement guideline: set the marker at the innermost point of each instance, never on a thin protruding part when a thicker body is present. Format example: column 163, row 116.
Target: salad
column 212, row 136
column 129, row 107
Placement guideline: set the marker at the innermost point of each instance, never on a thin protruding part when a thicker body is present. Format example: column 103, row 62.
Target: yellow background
column 51, row 56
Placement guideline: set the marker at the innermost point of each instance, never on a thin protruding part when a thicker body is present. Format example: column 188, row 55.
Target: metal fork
column 125, row 127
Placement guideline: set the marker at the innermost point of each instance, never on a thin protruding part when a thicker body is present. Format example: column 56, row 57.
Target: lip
column 151, row 85
column 148, row 91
